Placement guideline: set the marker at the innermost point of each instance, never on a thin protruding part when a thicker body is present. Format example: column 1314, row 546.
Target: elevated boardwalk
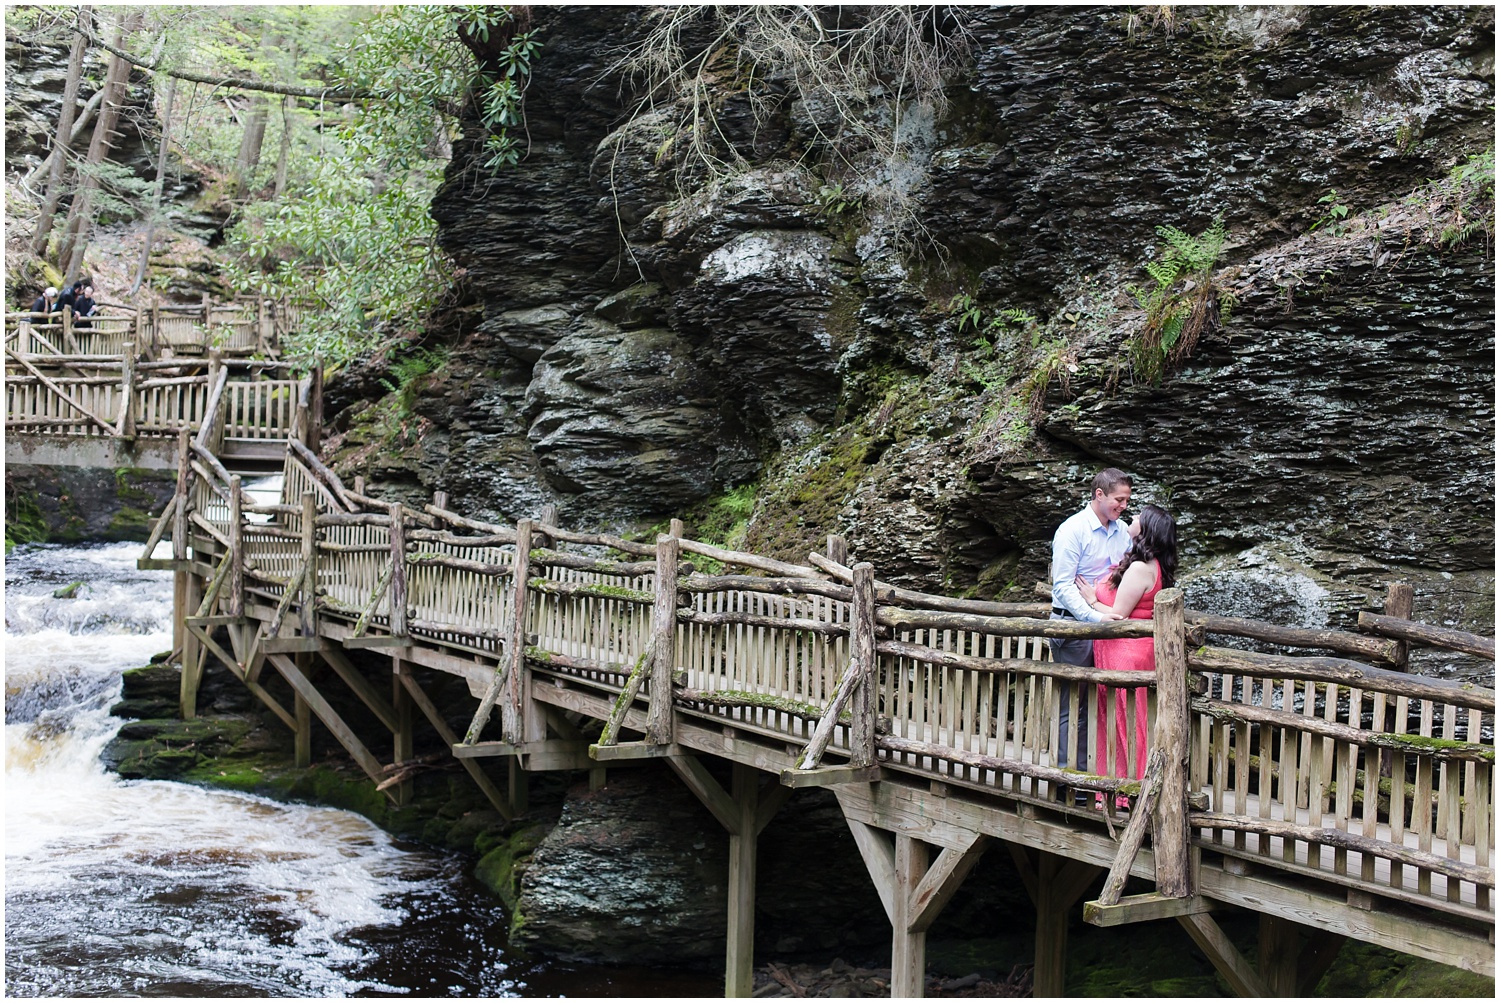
column 1331, row 793
column 127, row 385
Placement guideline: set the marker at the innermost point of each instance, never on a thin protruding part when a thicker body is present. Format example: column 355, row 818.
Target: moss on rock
column 501, row 867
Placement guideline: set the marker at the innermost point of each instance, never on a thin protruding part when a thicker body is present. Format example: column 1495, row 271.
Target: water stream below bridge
column 153, row 888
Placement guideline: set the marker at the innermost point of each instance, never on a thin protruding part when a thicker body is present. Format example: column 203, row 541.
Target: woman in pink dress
column 1129, row 591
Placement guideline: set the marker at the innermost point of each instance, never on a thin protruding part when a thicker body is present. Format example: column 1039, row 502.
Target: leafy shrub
column 1334, row 215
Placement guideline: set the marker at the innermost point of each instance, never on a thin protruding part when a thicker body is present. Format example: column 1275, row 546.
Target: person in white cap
column 45, row 303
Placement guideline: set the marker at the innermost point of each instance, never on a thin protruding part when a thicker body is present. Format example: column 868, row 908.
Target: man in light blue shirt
column 1088, row 543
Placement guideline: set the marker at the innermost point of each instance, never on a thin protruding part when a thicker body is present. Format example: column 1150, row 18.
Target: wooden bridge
column 117, row 393
column 241, row 327
column 1330, row 792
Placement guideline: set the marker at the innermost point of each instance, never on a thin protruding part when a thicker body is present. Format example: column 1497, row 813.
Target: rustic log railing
column 1321, row 767
column 242, row 327
column 121, row 397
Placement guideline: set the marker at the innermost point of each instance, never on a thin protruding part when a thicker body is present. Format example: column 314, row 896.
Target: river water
column 153, row 888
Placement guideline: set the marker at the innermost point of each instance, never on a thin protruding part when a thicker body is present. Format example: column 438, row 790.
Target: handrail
column 1310, row 752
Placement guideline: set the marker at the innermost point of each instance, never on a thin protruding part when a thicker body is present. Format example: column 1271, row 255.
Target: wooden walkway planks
column 1291, row 762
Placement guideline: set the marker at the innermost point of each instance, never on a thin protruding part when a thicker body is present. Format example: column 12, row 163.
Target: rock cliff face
column 35, row 73
column 642, row 341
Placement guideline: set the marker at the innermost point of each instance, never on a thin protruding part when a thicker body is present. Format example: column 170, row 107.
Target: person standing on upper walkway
column 1087, row 544
column 44, row 304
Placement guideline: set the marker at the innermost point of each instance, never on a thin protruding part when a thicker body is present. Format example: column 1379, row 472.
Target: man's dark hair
column 1108, row 479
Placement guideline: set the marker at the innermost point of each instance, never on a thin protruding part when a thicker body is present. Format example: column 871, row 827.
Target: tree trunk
column 82, row 122
column 283, row 153
column 80, row 215
column 161, row 176
column 283, row 156
column 61, row 141
column 250, row 143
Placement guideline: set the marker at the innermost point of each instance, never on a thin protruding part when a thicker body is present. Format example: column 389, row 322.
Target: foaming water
column 152, row 888
column 161, row 889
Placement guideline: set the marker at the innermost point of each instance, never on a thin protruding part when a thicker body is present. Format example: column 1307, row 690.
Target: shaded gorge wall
column 777, row 355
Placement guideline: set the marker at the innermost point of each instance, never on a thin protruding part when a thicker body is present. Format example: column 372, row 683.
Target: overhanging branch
column 329, row 93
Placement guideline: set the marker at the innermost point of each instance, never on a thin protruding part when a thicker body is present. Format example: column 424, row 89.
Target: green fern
column 407, row 370
column 1181, row 303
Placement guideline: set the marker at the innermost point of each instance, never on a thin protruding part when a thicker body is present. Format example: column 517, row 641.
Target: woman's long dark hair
column 1157, row 541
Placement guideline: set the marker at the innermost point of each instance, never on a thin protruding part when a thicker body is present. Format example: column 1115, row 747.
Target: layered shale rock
column 647, row 337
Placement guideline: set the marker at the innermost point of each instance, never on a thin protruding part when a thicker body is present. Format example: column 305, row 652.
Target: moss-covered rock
column 1428, row 979
column 502, row 865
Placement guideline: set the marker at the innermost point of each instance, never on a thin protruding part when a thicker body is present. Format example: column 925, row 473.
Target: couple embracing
column 1104, row 568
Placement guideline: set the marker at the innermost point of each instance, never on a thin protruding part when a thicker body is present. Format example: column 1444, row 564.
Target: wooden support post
column 517, row 677
column 193, row 653
column 403, row 671
column 314, row 433
column 1059, row 884
column 126, row 427
column 69, row 345
column 1279, row 951
column 397, row 589
column 913, row 893
column 1231, row 964
column 303, row 740
column 838, row 549
column 659, row 718
column 739, row 960
column 208, row 319
column 262, row 326
column 439, row 499
column 309, row 616
column 359, row 484
column 236, row 603
column 908, row 946
column 1169, row 831
column 1318, row 955
column 403, row 737
column 744, row 813
column 863, row 659
column 548, row 518
column 180, row 542
column 216, row 372
column 519, row 787
column 1398, row 603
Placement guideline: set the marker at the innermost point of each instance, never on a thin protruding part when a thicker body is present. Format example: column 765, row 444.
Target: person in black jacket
column 69, row 297
column 84, row 308
column 45, row 303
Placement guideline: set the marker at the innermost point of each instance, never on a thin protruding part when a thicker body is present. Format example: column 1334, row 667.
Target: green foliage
column 355, row 242
column 24, row 522
column 966, row 311
column 1182, row 301
column 834, row 201
column 354, row 254
column 724, row 518
column 1460, row 206
column 1333, row 215
column 121, row 195
column 407, row 370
